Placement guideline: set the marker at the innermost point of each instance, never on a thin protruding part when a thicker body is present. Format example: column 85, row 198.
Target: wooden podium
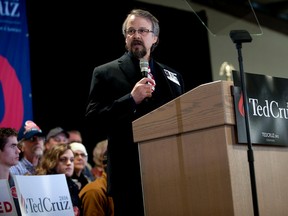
column 192, row 165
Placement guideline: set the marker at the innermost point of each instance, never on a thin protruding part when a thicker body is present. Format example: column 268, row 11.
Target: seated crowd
column 29, row 152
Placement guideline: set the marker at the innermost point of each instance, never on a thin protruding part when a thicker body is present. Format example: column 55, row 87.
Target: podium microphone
column 144, row 67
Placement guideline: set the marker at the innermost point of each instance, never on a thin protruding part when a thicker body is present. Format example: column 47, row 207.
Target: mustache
column 137, row 42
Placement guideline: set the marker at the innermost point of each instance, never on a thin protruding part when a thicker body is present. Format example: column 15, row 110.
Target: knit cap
column 75, row 146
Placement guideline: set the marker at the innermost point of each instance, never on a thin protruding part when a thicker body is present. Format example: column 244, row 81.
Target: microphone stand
column 238, row 37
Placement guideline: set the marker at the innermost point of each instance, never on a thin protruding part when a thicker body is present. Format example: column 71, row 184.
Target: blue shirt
column 23, row 167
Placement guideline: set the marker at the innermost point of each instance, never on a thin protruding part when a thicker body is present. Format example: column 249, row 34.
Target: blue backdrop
column 15, row 84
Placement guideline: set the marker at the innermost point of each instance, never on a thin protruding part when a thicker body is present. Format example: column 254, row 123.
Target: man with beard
column 120, row 92
column 31, row 142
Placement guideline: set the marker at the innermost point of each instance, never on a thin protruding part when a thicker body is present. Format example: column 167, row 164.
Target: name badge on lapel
column 172, row 76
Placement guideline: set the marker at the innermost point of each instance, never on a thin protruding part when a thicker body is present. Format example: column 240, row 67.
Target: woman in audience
column 80, row 162
column 98, row 153
column 76, row 136
column 60, row 160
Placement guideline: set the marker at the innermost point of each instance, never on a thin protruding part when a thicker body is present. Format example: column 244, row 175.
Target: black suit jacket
column 111, row 107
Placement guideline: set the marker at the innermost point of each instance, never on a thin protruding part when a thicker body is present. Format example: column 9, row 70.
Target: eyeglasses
column 36, row 138
column 80, row 154
column 141, row 31
column 59, row 139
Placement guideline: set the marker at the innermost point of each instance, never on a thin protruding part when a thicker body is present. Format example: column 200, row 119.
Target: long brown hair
column 51, row 158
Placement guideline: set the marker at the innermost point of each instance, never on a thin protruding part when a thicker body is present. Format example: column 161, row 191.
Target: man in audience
column 75, row 136
column 9, row 156
column 31, row 142
column 9, row 152
column 55, row 136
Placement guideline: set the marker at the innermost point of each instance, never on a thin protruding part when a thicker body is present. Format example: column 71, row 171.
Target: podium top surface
column 207, row 105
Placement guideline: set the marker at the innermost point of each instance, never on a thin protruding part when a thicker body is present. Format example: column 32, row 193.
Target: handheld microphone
column 144, row 67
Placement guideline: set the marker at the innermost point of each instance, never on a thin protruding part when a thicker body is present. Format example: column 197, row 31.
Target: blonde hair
column 99, row 151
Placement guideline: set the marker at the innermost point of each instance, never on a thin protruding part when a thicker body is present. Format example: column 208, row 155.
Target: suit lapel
column 127, row 66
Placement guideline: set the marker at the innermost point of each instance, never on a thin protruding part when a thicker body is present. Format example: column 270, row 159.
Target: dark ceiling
column 274, row 8
column 272, row 14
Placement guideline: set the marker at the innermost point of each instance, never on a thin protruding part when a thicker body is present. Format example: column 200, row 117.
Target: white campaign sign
column 7, row 206
column 44, row 195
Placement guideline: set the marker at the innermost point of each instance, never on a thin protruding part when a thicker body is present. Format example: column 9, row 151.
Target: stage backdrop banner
column 15, row 84
column 43, row 195
column 7, row 206
column 267, row 103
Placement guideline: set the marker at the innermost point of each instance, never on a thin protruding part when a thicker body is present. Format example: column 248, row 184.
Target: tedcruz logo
column 241, row 106
column 10, row 9
column 268, row 109
column 45, row 205
column 13, row 192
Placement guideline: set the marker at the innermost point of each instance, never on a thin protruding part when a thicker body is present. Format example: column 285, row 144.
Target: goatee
column 38, row 152
column 139, row 53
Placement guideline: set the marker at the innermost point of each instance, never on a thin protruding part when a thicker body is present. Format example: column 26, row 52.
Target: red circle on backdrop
column 12, row 93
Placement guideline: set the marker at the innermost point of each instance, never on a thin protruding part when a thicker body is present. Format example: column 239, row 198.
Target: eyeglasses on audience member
column 80, row 154
column 36, row 138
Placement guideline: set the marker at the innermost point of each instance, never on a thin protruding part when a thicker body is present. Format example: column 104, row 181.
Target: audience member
column 120, row 92
column 98, row 152
column 9, row 156
column 59, row 159
column 55, row 136
column 75, row 136
column 31, row 142
column 94, row 198
column 80, row 162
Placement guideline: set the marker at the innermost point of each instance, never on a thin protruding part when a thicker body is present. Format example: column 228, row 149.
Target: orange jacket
column 95, row 201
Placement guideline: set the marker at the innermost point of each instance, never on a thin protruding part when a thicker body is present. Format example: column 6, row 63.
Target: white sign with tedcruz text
column 44, row 195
